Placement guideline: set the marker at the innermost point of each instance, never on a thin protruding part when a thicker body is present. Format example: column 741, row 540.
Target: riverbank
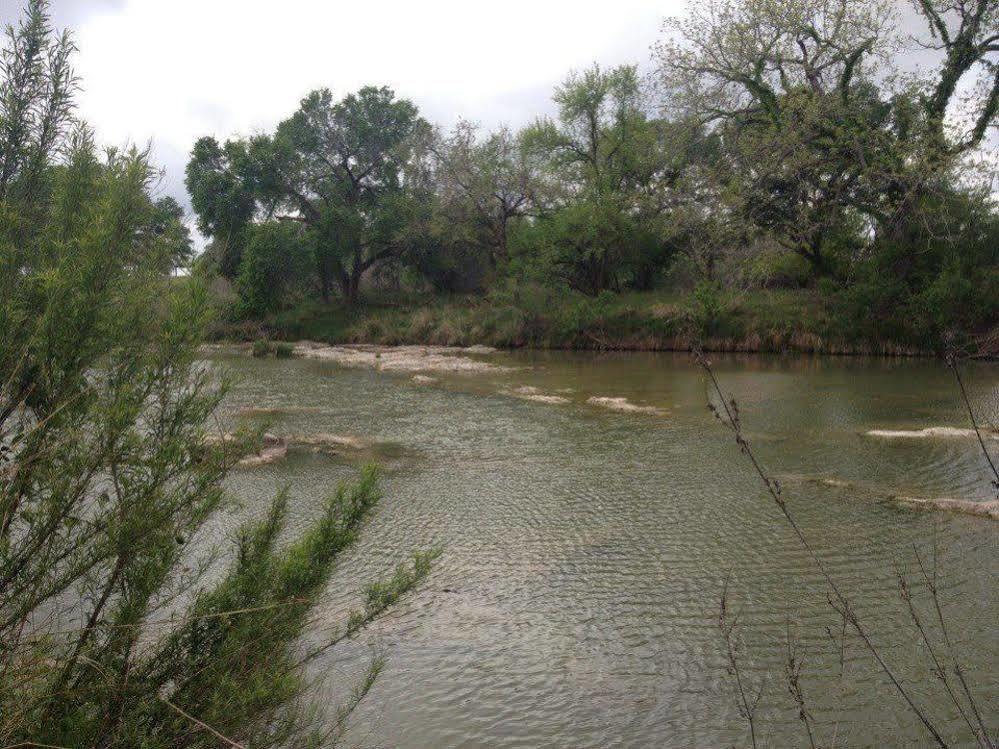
column 767, row 321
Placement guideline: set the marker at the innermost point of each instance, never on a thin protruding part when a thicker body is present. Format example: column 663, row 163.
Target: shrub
column 263, row 348
column 107, row 471
column 779, row 269
column 274, row 262
column 710, row 311
column 934, row 282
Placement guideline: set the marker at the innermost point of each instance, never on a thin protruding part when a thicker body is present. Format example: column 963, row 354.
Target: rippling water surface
column 585, row 549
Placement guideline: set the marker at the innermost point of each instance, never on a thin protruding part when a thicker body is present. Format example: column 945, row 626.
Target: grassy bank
column 802, row 321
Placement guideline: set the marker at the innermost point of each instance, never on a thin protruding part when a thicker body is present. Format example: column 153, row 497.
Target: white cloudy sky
column 169, row 71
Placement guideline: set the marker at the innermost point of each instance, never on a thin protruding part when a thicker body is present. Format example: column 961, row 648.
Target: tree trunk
column 350, row 285
column 501, row 249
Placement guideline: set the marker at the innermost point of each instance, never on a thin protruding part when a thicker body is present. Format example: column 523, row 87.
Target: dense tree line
column 774, row 144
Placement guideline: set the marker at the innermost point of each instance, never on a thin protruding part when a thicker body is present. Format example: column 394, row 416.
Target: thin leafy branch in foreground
column 747, row 703
column 953, row 363
column 728, row 413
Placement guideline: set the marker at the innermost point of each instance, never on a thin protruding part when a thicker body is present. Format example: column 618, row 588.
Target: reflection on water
column 585, row 548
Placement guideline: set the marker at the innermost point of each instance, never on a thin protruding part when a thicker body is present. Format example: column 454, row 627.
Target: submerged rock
column 401, row 358
column 930, row 433
column 552, row 400
column 277, row 410
column 332, row 441
column 986, row 509
column 533, row 394
column 272, row 449
column 835, row 483
column 624, row 406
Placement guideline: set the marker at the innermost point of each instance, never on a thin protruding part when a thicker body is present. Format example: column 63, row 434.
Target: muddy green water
column 585, row 550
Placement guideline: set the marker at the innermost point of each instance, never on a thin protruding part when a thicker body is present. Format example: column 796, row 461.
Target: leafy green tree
column 276, row 260
column 109, row 634
column 814, row 148
column 36, row 101
column 602, row 134
column 935, row 279
column 218, row 180
column 803, row 130
column 483, row 186
column 340, row 169
column 591, row 245
column 167, row 228
column 605, row 154
column 966, row 35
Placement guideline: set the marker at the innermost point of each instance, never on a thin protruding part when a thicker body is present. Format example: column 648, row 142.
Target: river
column 587, row 541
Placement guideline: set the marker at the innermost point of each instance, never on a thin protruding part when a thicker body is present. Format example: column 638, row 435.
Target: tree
column 732, row 59
column 36, row 100
column 167, row 229
column 341, row 170
column 819, row 162
column 484, row 185
column 597, row 143
column 810, row 142
column 799, row 94
column 966, row 34
column 106, row 476
column 934, row 280
column 221, row 189
column 591, row 244
column 605, row 154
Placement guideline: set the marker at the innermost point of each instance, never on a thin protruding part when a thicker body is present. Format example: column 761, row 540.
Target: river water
column 586, row 548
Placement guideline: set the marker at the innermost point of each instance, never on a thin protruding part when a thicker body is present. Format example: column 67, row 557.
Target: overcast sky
column 169, row 71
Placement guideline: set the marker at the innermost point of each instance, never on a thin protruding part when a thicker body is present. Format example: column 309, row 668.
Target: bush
column 274, row 263
column 595, row 245
column 711, row 311
column 932, row 283
column 280, row 350
column 779, row 269
column 108, row 472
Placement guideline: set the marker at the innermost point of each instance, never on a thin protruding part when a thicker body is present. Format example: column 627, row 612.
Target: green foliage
column 217, row 180
column 278, row 349
column 110, row 635
column 935, row 280
column 776, row 149
column 611, row 169
column 779, row 269
column 711, row 311
column 274, row 263
column 167, row 231
column 335, row 167
column 449, row 264
column 483, row 186
column 36, row 103
column 592, row 246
